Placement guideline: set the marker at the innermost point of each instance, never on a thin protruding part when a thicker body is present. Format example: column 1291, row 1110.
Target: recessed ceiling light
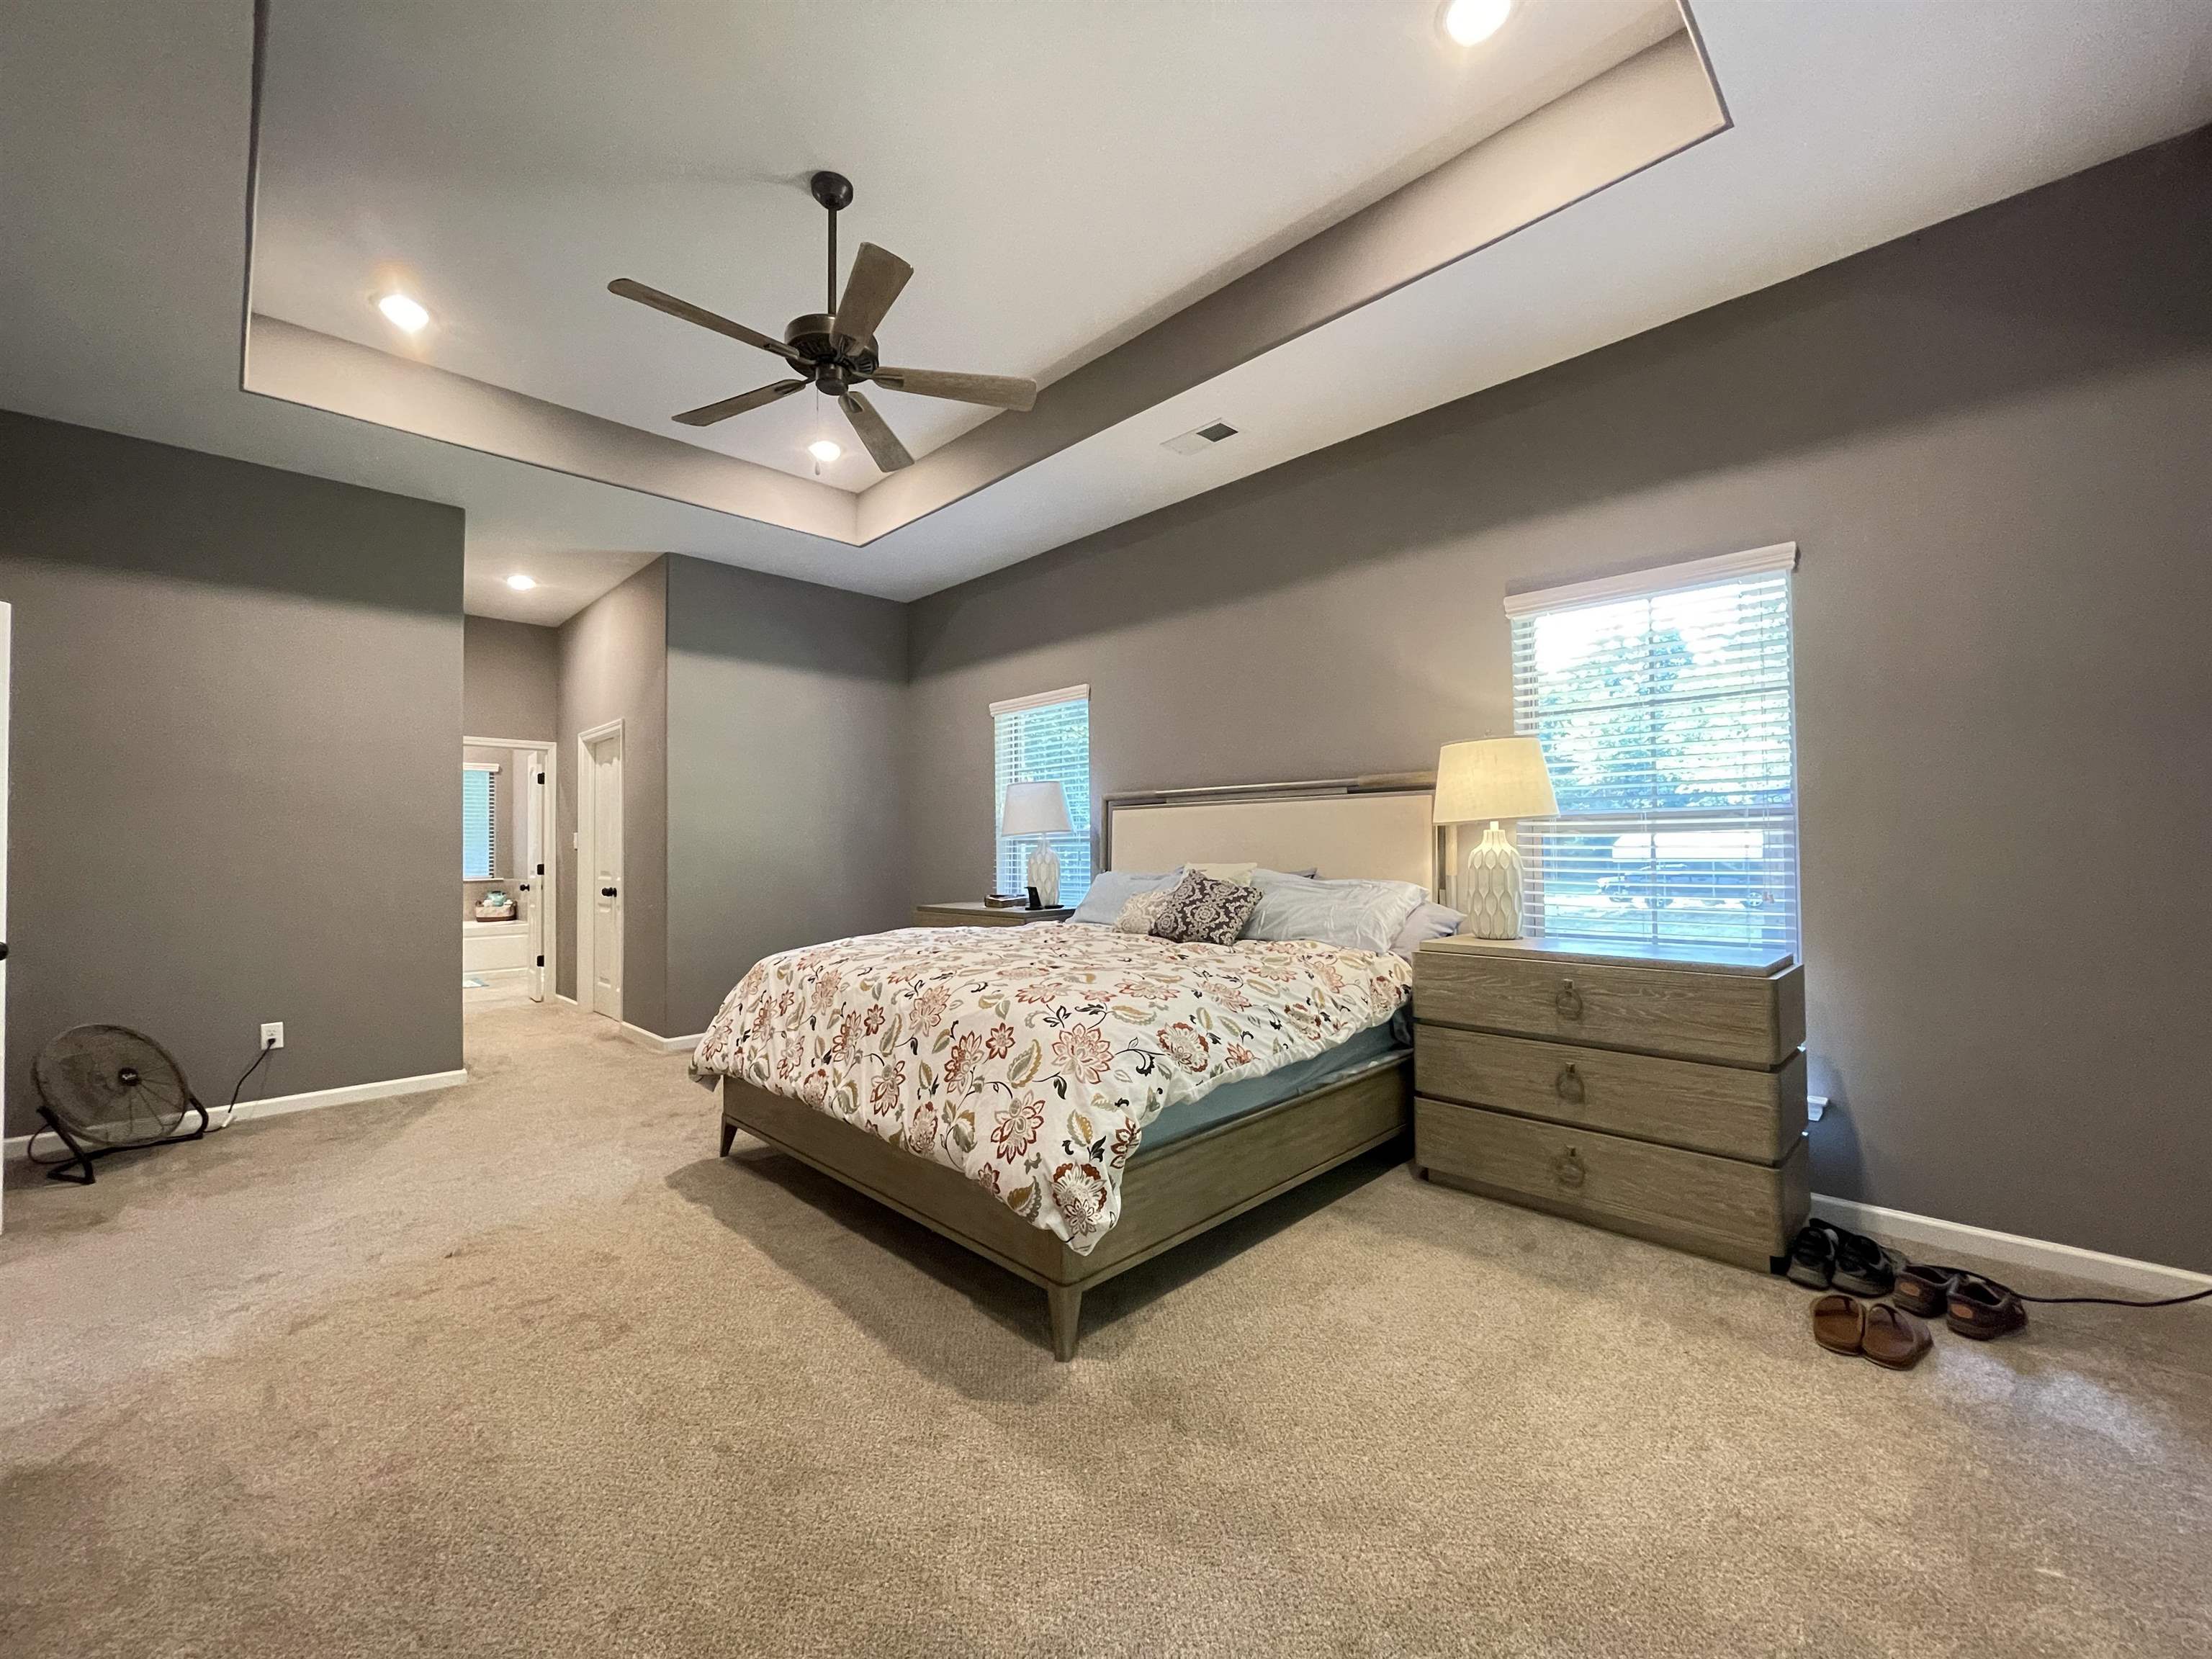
column 403, row 312
column 824, row 450
column 520, row 583
column 1470, row 22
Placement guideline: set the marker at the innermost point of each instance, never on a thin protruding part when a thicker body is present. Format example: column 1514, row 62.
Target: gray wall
column 1991, row 440
column 510, row 679
column 614, row 666
column 232, row 787
column 786, row 729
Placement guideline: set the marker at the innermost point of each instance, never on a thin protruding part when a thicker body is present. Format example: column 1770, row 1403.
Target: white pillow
column 1237, row 875
column 1428, row 921
column 1355, row 916
column 1112, row 888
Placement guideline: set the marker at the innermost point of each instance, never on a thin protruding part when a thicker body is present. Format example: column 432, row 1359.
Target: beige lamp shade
column 1035, row 809
column 1493, row 778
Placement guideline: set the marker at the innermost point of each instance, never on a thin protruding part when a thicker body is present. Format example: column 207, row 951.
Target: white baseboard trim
column 1933, row 1240
column 661, row 1045
column 562, row 996
column 313, row 1100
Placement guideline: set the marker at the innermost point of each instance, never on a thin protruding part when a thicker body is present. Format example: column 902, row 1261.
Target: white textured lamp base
column 1491, row 893
column 1044, row 875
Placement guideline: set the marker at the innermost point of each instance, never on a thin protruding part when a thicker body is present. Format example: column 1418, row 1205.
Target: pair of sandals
column 1872, row 1330
column 1823, row 1256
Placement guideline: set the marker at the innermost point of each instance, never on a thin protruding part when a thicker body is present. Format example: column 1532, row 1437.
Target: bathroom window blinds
column 1665, row 706
column 479, row 826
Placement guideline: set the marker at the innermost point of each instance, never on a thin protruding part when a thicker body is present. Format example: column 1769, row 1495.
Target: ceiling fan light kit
column 834, row 350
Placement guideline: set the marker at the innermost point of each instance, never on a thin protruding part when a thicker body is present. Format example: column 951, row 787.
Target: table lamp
column 1486, row 781
column 1039, row 810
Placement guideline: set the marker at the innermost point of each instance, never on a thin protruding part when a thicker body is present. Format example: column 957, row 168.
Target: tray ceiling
column 1061, row 177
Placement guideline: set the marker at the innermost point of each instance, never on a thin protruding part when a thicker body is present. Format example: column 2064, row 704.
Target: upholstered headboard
column 1373, row 827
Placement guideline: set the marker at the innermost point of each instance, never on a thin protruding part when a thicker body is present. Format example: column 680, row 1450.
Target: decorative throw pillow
column 1200, row 911
column 1140, row 912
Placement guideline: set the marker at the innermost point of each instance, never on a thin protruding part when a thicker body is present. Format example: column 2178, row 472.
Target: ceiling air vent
column 1197, row 438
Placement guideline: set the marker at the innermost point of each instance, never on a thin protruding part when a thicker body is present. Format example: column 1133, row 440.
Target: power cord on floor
column 2113, row 1301
column 230, row 1111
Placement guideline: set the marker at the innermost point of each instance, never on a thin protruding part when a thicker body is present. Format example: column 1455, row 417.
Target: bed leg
column 729, row 1134
column 1067, row 1301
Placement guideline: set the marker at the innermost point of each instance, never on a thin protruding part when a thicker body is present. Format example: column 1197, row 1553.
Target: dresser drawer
column 1728, row 1110
column 1737, row 1019
column 1739, row 1211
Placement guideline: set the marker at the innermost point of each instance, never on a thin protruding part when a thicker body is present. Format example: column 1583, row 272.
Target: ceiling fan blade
column 883, row 443
column 997, row 391
column 691, row 313
column 707, row 414
column 877, row 278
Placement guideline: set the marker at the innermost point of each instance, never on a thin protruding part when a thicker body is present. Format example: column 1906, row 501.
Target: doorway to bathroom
column 509, row 868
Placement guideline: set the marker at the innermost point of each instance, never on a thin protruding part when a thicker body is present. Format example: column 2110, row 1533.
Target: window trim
column 1065, row 694
column 1657, row 579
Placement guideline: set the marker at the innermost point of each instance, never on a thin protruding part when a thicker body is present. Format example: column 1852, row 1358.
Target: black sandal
column 1864, row 1268
column 1812, row 1255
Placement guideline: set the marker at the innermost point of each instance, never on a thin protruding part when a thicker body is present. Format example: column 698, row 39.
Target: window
column 479, row 821
column 1036, row 738
column 1663, row 703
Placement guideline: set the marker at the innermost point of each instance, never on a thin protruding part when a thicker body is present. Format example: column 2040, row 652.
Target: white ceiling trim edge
column 1632, row 116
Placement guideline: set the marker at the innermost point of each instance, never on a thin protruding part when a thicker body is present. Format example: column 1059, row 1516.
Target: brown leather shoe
column 1839, row 1323
column 1893, row 1339
column 1983, row 1308
column 1924, row 1290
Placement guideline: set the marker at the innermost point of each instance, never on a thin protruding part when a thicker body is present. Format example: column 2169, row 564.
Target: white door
column 530, row 767
column 604, row 871
column 7, row 629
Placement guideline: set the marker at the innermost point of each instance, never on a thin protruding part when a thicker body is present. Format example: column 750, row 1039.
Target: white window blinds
column 479, row 828
column 1034, row 738
column 1665, row 707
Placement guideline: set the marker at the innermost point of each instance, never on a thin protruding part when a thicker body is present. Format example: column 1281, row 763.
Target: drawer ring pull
column 1569, row 1001
column 1568, row 1167
column 1568, row 1086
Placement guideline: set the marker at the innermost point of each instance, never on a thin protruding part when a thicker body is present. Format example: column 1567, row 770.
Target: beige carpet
column 523, row 1369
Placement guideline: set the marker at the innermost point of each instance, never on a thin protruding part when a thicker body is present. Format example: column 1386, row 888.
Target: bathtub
column 494, row 947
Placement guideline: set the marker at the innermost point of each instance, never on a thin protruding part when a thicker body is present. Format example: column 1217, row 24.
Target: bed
column 1238, row 1129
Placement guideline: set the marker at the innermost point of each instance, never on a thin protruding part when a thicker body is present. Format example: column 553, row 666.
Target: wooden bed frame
column 1177, row 1191
column 1168, row 1196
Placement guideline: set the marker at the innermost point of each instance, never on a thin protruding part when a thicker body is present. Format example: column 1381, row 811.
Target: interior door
column 605, row 872
column 530, row 767
column 7, row 632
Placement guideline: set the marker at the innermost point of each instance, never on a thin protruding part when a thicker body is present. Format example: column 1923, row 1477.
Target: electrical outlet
column 272, row 1034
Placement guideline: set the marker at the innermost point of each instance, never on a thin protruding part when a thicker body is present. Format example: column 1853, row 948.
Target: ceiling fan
column 834, row 351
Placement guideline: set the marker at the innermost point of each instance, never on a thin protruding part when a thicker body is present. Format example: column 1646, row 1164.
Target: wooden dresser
column 974, row 913
column 1660, row 1094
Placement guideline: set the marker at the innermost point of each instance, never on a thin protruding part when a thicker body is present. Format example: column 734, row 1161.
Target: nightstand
column 1660, row 1093
column 974, row 913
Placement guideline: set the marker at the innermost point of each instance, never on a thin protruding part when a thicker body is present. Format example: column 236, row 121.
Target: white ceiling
column 123, row 129
column 1060, row 175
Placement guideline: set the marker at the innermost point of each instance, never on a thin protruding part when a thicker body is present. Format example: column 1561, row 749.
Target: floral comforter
column 1030, row 1058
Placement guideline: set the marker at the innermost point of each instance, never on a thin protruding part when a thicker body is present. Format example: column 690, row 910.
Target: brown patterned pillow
column 1200, row 911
